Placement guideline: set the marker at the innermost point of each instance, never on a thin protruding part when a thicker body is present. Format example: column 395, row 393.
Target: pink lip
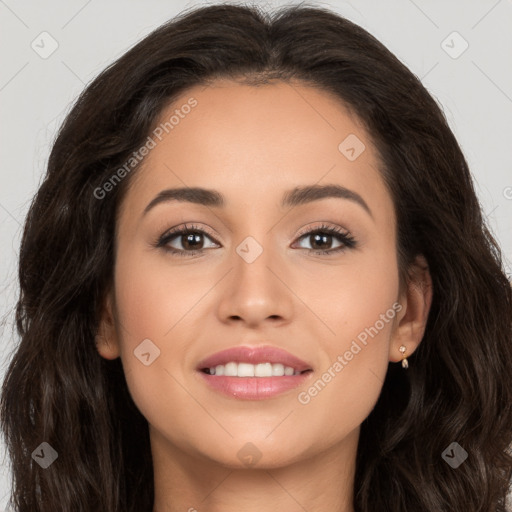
column 254, row 388
column 254, row 355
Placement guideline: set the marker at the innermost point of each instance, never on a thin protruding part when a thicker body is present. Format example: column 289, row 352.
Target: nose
column 258, row 288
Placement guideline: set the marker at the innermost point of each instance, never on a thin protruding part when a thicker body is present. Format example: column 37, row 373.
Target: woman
column 183, row 349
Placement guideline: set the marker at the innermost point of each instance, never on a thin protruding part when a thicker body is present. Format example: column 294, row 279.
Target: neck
column 189, row 481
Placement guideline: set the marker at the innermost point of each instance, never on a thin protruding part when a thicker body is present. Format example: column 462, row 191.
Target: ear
column 412, row 318
column 107, row 342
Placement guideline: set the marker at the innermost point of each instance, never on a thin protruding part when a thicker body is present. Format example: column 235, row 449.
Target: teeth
column 233, row 369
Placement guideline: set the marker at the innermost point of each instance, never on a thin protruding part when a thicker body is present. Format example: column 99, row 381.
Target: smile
column 234, row 369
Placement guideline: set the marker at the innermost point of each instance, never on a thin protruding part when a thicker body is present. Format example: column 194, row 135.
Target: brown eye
column 189, row 239
column 324, row 235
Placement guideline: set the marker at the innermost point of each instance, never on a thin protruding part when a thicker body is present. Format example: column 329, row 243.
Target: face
column 248, row 273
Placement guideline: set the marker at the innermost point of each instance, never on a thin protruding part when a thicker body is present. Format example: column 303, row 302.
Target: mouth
column 253, row 373
column 259, row 361
column 260, row 370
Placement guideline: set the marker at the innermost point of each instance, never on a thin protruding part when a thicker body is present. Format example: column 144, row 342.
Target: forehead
column 250, row 140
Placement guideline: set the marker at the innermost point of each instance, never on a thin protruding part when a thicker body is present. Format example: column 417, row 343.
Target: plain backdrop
column 461, row 50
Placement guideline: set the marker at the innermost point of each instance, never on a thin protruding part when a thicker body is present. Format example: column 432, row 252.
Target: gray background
column 473, row 88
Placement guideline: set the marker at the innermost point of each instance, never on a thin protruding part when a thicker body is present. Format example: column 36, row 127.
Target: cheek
column 358, row 301
column 147, row 308
column 360, row 313
column 154, row 307
column 347, row 387
column 150, row 300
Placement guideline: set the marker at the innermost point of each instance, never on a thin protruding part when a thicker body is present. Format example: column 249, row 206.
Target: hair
column 59, row 390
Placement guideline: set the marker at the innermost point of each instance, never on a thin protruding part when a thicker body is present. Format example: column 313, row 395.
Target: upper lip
column 254, row 355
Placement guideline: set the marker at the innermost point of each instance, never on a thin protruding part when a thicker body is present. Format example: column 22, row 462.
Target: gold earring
column 405, row 363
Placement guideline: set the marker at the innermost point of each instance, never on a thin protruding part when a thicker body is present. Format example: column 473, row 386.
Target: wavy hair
column 59, row 390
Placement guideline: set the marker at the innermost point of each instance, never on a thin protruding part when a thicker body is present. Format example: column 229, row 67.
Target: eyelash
column 348, row 241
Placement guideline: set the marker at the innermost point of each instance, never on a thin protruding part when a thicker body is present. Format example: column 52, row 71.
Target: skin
column 252, row 144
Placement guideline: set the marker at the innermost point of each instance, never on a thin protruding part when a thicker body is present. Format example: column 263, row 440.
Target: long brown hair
column 59, row 390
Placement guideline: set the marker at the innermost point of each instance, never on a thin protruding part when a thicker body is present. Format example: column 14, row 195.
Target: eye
column 188, row 237
column 324, row 235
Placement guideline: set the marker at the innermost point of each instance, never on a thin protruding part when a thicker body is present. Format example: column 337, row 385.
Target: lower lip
column 254, row 388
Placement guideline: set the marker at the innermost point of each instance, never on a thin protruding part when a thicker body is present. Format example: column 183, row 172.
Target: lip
column 254, row 355
column 254, row 388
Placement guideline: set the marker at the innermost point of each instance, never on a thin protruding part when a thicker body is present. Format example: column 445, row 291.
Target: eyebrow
column 295, row 197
